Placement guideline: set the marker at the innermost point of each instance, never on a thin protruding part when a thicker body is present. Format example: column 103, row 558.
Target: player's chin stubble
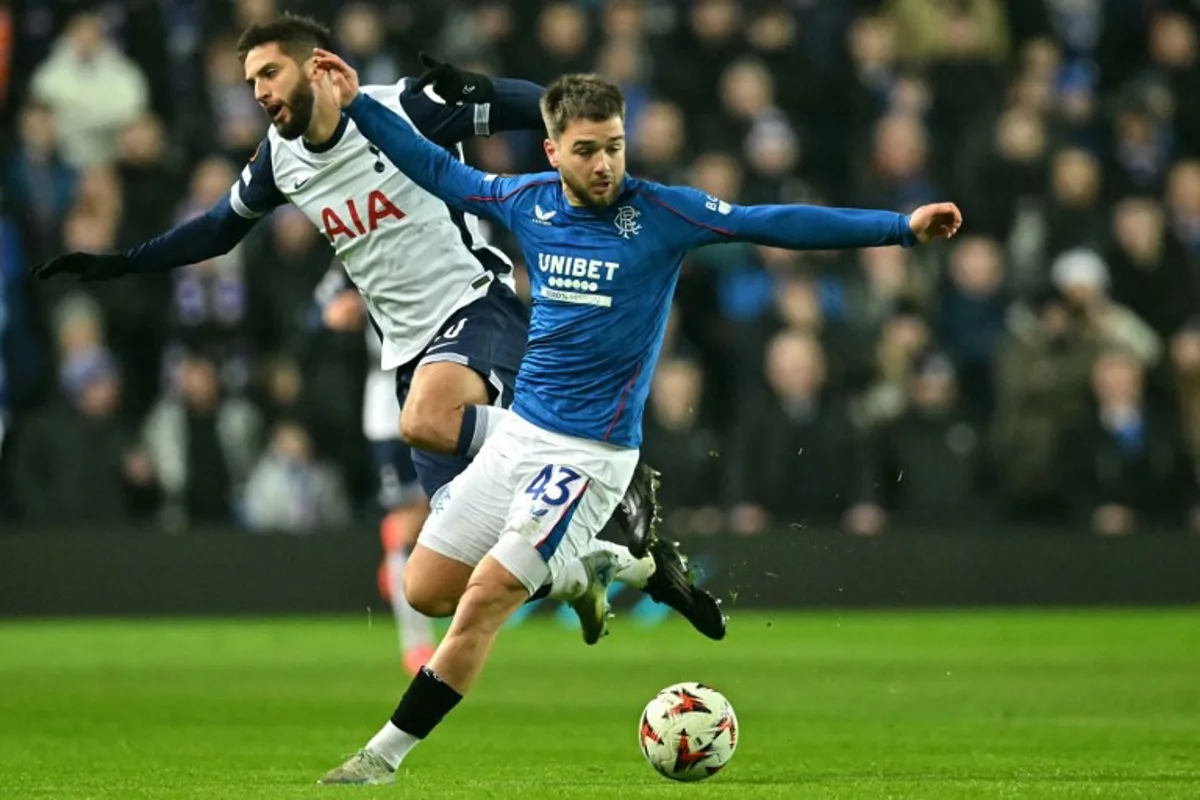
column 300, row 104
column 582, row 190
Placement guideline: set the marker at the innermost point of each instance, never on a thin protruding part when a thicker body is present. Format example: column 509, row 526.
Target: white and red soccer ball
column 688, row 732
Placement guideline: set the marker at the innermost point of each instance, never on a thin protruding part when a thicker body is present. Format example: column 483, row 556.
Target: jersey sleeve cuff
column 483, row 119
column 907, row 237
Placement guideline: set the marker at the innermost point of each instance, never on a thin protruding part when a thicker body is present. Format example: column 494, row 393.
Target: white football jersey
column 414, row 259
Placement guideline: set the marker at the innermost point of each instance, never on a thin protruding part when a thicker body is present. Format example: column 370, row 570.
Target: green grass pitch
column 1023, row 704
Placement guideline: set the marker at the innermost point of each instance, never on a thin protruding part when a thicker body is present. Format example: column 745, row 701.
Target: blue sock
column 477, row 424
column 466, row 434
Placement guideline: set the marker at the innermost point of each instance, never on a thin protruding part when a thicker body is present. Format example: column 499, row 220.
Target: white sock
column 487, row 419
column 392, row 744
column 571, row 579
column 630, row 571
column 414, row 629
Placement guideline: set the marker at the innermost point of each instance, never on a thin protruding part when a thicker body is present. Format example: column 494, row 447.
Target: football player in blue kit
column 603, row 251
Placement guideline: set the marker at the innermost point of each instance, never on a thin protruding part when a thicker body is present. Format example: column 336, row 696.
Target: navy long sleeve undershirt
column 213, row 233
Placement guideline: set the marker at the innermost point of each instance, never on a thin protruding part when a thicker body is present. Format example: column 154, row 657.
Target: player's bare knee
column 426, row 596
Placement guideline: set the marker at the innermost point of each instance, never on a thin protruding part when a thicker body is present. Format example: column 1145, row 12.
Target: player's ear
column 309, row 67
column 551, row 153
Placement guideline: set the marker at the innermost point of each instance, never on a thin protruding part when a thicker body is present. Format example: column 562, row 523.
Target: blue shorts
column 395, row 476
column 487, row 336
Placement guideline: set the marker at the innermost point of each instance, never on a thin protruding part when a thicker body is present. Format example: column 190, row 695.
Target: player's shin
column 491, row 598
column 478, row 423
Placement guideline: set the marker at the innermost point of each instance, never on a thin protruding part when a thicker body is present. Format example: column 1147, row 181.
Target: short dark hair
column 295, row 35
column 586, row 97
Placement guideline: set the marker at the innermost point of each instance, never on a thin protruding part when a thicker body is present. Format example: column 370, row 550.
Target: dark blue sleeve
column 255, row 192
column 431, row 167
column 515, row 107
column 704, row 219
column 213, row 233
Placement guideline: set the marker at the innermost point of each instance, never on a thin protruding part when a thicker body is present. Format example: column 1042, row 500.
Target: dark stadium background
column 968, row 423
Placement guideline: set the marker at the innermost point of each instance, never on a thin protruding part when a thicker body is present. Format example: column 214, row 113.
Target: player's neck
column 325, row 120
column 572, row 200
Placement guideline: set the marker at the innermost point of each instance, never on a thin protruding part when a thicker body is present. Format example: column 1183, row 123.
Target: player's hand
column 935, row 221
column 452, row 84
column 88, row 266
column 342, row 76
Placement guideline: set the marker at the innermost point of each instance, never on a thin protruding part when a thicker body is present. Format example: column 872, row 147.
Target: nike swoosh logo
column 298, row 185
column 436, row 345
column 541, row 512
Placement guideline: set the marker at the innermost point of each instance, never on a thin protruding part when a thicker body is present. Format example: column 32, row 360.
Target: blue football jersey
column 602, row 279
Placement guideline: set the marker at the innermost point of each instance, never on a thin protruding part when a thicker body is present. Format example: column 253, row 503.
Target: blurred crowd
column 1042, row 368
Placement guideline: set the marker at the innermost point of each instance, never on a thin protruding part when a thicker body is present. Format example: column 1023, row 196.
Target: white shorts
column 532, row 498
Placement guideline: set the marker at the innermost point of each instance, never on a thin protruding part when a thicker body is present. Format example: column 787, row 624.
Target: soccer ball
column 688, row 732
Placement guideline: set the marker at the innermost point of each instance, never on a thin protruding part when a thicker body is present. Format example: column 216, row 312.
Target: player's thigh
column 566, row 490
column 467, row 516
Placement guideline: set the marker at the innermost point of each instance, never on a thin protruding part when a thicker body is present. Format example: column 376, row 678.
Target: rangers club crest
column 627, row 221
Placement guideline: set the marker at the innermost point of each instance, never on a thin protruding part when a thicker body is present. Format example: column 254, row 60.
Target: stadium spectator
column 1141, row 147
column 93, row 89
column 1043, row 368
column 38, row 185
column 898, row 175
column 202, row 446
column 933, row 458
column 1128, row 459
column 1183, row 208
column 209, row 302
column 970, row 316
column 1009, row 177
column 289, row 491
column 234, row 122
column 360, row 33
column 1083, row 278
column 658, row 142
column 885, row 279
column 1074, row 215
column 797, row 458
column 903, row 337
column 1185, row 357
column 677, row 443
column 79, row 465
column 150, row 185
column 1150, row 273
column 1175, row 57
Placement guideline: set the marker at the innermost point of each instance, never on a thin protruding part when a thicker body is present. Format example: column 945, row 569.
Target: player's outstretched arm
column 212, row 234
column 805, row 227
column 429, row 166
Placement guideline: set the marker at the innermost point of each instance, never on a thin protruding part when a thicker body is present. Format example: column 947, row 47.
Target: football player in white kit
column 398, row 495
column 440, row 297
